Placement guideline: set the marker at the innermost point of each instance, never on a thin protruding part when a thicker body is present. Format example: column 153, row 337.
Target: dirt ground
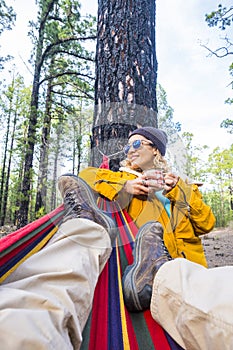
column 218, row 246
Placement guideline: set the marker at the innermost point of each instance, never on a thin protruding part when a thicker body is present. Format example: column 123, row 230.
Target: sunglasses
column 136, row 145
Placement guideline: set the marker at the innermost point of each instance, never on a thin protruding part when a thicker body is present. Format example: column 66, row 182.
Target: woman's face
column 142, row 157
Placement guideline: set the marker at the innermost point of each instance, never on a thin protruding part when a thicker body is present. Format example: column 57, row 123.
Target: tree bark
column 3, row 194
column 4, row 163
column 57, row 149
column 126, row 74
column 41, row 194
column 6, row 191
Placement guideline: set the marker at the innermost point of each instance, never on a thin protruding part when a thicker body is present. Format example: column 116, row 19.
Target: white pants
column 194, row 304
column 45, row 303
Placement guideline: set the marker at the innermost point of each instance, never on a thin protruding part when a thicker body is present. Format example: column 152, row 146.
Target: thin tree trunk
column 41, row 195
column 53, row 199
column 5, row 198
column 3, row 172
column 77, row 145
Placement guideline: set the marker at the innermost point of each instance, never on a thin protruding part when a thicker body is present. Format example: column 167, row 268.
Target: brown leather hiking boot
column 80, row 202
column 149, row 254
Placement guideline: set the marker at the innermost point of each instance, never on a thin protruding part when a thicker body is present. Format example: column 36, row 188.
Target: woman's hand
column 170, row 181
column 144, row 185
column 136, row 187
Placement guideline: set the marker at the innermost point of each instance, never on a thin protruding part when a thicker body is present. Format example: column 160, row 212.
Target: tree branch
column 65, row 73
column 74, row 95
column 221, row 51
column 62, row 41
column 75, row 55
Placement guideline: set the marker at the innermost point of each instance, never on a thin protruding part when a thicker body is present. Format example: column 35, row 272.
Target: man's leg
column 46, row 301
column 194, row 304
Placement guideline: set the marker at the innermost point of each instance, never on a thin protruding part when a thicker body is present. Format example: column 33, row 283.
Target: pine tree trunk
column 6, row 194
column 4, row 164
column 126, row 74
column 31, row 140
column 57, row 150
column 41, row 194
column 3, row 194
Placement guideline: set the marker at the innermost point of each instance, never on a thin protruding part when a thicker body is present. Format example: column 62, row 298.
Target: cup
column 155, row 178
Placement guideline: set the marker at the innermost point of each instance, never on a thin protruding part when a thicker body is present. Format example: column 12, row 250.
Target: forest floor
column 218, row 245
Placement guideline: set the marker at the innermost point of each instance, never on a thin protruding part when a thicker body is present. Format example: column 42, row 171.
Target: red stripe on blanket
column 99, row 320
column 22, row 246
column 156, row 332
column 15, row 236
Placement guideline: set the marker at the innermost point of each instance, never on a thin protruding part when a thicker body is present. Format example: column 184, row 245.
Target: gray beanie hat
column 157, row 136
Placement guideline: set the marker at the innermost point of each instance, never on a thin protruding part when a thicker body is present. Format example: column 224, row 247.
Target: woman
column 162, row 196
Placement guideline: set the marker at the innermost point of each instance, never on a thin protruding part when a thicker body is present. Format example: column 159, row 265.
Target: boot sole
column 131, row 295
column 91, row 200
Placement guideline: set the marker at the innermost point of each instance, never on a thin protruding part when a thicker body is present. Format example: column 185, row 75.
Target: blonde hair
column 159, row 162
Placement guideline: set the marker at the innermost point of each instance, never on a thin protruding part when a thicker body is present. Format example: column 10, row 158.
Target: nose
column 131, row 149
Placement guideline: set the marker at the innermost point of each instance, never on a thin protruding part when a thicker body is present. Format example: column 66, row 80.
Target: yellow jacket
column 189, row 218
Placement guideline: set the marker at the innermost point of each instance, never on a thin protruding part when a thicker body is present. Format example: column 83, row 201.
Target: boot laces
column 166, row 253
column 72, row 201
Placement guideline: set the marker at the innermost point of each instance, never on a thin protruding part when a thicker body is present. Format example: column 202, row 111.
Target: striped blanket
column 21, row 244
column 110, row 326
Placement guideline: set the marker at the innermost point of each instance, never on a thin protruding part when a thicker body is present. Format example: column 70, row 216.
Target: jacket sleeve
column 188, row 199
column 106, row 182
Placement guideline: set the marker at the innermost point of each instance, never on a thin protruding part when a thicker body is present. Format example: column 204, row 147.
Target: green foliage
column 222, row 17
column 220, row 171
column 165, row 113
column 195, row 164
column 41, row 212
column 215, row 169
column 7, row 20
column 63, row 74
column 7, row 16
column 217, row 176
column 66, row 61
column 221, row 165
column 14, row 107
column 227, row 124
column 75, row 138
column 220, row 206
